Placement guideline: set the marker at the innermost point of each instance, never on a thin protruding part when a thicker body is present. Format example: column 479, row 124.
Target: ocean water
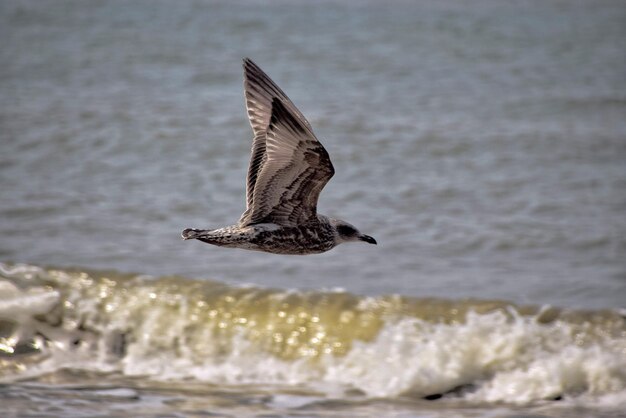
column 483, row 144
column 77, row 341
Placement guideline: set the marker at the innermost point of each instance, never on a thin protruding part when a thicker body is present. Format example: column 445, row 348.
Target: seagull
column 288, row 169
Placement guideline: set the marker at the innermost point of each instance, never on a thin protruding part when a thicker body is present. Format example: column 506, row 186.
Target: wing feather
column 295, row 169
column 259, row 92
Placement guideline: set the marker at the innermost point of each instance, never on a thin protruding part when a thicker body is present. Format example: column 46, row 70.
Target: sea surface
column 482, row 143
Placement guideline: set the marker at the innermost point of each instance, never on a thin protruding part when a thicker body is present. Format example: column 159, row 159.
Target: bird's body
column 288, row 169
column 310, row 238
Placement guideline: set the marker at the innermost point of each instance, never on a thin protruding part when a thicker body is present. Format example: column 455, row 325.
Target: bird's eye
column 346, row 231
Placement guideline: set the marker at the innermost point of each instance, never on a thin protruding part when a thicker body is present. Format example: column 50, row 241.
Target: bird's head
column 347, row 232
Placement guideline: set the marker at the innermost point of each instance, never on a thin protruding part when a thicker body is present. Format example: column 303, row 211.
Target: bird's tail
column 191, row 233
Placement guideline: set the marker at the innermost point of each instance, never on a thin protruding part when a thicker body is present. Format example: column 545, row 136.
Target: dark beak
column 367, row 239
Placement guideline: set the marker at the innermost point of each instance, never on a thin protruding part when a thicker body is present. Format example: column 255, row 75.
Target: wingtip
column 250, row 69
column 248, row 63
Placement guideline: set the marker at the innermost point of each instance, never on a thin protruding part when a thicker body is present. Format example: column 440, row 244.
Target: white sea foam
column 152, row 329
column 495, row 359
column 515, row 362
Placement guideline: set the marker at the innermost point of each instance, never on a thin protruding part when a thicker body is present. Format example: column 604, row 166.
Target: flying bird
column 288, row 169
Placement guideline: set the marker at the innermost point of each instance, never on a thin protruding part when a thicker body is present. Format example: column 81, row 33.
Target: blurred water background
column 483, row 143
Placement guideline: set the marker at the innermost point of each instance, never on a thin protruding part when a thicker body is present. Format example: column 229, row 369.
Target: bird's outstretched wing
column 294, row 169
column 269, row 108
column 260, row 90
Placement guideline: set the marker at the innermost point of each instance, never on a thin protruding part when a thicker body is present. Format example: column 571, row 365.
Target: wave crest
column 174, row 328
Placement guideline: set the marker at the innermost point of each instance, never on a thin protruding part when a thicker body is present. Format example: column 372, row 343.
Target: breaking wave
column 172, row 328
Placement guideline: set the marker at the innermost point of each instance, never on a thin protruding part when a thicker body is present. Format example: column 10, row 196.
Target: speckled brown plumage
column 288, row 169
